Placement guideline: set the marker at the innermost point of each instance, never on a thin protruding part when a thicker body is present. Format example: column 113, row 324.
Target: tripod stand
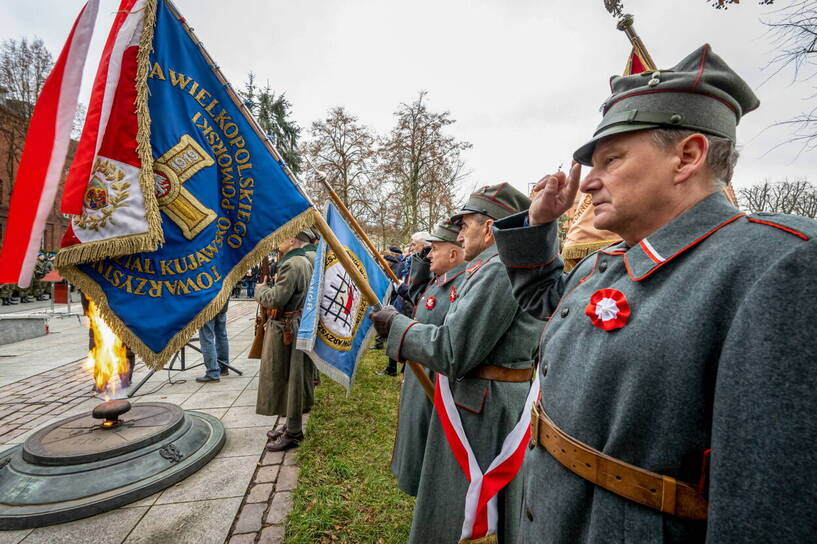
column 178, row 356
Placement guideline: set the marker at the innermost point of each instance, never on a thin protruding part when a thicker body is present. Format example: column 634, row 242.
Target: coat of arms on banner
column 342, row 306
column 107, row 192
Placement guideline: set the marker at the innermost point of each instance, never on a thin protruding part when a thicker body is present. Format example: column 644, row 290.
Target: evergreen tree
column 274, row 115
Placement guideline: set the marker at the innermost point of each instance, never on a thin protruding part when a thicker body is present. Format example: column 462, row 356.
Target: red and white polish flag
column 481, row 511
column 43, row 158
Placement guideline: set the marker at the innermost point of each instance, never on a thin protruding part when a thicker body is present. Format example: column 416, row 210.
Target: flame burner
column 78, row 467
column 110, row 410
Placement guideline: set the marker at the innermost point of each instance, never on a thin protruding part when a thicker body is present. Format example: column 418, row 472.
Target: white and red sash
column 481, row 512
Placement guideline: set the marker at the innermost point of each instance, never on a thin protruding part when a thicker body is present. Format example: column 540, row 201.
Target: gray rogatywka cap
column 700, row 93
column 445, row 232
column 495, row 201
column 306, row 235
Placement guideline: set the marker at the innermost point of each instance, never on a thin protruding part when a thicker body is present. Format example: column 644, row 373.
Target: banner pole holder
column 180, row 356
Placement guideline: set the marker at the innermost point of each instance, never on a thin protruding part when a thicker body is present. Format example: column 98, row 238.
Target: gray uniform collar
column 450, row 275
column 681, row 234
column 487, row 254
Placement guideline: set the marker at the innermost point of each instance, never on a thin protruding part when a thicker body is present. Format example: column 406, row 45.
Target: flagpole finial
column 625, row 22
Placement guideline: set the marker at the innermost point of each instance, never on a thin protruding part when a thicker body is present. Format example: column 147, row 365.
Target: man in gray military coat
column 485, row 346
column 678, row 367
column 433, row 285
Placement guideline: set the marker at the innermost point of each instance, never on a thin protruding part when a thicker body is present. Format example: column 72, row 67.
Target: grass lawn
column 346, row 493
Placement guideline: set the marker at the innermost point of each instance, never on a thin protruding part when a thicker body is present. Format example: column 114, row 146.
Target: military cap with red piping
column 700, row 93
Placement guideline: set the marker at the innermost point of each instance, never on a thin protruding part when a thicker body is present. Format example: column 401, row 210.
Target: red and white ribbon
column 43, row 158
column 481, row 512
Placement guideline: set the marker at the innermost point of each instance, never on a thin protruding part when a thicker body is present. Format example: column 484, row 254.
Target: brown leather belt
column 502, row 374
column 654, row 490
column 276, row 314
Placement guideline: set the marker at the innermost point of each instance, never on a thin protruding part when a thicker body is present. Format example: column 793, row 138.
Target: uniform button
column 565, row 311
column 603, row 266
column 531, row 444
column 529, row 514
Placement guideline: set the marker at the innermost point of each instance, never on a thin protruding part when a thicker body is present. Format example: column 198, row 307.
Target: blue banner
column 334, row 329
column 224, row 202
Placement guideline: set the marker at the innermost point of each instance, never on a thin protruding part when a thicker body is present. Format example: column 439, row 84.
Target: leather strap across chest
column 650, row 489
column 502, row 374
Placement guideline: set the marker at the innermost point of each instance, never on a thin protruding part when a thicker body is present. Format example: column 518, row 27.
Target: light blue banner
column 334, row 329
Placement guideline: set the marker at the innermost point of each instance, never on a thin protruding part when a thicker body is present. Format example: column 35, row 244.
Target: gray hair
column 721, row 158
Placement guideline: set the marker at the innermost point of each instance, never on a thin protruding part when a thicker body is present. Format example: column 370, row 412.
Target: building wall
column 56, row 223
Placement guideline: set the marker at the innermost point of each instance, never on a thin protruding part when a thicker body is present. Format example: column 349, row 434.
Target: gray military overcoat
column 483, row 326
column 719, row 352
column 431, row 296
column 283, row 379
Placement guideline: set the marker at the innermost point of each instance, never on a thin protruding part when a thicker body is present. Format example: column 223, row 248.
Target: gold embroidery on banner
column 106, row 193
column 170, row 171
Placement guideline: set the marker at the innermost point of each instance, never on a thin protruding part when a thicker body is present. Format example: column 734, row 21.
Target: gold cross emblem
column 170, row 171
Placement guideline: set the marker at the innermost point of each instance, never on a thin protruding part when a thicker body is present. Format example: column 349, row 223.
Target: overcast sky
column 524, row 79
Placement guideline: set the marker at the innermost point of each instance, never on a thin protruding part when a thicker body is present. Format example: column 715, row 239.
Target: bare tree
column 423, row 164
column 797, row 197
column 343, row 150
column 724, row 4
column 24, row 66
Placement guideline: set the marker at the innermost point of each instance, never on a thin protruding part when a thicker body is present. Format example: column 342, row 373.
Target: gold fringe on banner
column 156, row 360
column 134, row 243
column 580, row 251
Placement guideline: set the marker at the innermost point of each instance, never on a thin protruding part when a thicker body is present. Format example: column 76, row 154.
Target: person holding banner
column 483, row 353
column 677, row 400
column 435, row 280
column 285, row 384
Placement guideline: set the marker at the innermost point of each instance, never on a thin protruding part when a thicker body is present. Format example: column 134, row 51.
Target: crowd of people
column 659, row 391
column 666, row 380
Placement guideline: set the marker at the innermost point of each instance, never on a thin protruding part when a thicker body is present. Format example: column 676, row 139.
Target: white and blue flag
column 334, row 329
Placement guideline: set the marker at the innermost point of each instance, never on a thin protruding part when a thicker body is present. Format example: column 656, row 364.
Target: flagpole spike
column 625, row 24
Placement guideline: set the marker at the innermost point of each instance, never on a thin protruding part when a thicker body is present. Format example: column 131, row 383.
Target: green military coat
column 484, row 325
column 431, row 296
column 284, row 385
column 719, row 352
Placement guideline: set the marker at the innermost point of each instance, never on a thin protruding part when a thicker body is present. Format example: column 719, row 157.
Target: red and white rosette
column 430, row 303
column 608, row 309
column 481, row 511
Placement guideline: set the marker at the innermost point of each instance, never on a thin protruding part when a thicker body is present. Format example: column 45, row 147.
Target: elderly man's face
column 630, row 183
column 444, row 256
column 475, row 234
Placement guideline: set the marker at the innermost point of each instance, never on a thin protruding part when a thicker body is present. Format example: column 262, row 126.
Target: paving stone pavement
column 243, row 492
column 264, row 511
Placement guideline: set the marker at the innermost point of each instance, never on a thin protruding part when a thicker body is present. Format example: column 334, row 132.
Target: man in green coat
column 485, row 347
column 678, row 366
column 284, row 383
column 433, row 284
